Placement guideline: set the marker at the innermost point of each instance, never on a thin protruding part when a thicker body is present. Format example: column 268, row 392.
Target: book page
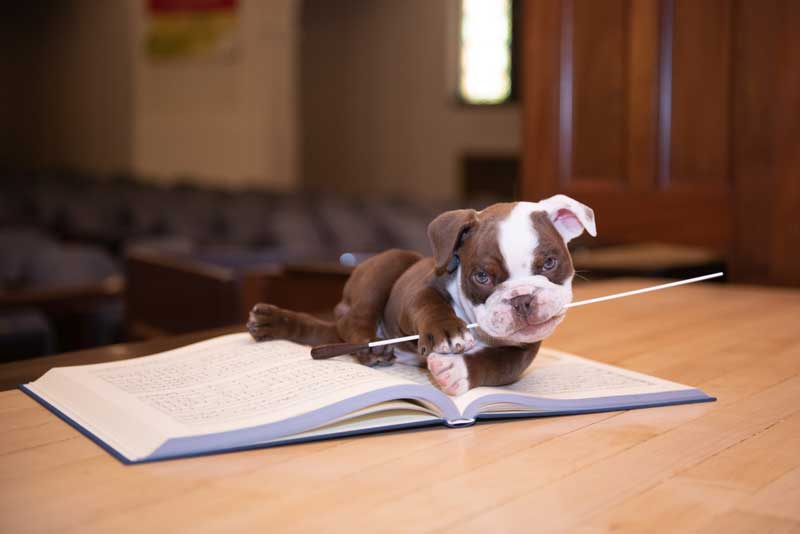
column 561, row 376
column 413, row 373
column 228, row 383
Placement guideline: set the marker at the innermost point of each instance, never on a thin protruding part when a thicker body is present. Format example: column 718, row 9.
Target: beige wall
column 378, row 106
column 85, row 96
column 226, row 121
column 375, row 101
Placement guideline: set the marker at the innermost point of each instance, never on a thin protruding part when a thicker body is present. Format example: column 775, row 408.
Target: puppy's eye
column 482, row 278
column 549, row 264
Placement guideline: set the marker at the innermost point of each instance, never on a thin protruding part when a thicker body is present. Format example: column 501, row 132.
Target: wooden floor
column 728, row 466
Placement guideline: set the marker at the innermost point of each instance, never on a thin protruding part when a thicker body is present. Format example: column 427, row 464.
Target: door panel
column 626, row 107
column 700, row 82
column 597, row 32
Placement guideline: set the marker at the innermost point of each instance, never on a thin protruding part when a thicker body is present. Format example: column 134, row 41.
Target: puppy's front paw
column 445, row 337
column 268, row 322
column 450, row 373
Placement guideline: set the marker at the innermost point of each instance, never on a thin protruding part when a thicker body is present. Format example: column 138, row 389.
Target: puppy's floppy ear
column 569, row 216
column 446, row 233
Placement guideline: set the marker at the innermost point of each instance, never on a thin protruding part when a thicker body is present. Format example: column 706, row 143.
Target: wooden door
column 672, row 119
column 627, row 108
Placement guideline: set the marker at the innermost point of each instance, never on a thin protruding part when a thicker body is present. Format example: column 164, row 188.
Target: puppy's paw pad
column 376, row 359
column 449, row 372
column 438, row 364
column 457, row 388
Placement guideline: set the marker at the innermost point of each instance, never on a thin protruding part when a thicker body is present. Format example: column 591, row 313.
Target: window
column 486, row 64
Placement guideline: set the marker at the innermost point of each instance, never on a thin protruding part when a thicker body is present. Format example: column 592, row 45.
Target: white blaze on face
column 517, row 240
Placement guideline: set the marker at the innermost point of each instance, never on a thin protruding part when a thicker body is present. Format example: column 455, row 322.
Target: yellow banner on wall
column 191, row 28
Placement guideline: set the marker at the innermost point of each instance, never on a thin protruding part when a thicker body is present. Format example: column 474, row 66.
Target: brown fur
column 357, row 315
column 498, row 366
column 482, row 253
column 419, row 304
column 406, row 294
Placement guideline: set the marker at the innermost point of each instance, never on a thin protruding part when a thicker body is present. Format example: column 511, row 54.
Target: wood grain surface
column 732, row 465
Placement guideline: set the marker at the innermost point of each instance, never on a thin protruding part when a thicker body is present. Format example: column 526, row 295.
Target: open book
column 231, row 393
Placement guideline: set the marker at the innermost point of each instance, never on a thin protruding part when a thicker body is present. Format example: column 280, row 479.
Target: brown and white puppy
column 506, row 267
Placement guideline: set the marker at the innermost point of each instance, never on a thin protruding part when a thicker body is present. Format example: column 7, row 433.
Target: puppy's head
column 508, row 266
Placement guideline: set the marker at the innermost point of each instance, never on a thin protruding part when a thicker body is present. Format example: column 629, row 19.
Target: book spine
column 455, row 423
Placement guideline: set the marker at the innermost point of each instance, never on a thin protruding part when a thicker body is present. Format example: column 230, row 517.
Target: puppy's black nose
column 522, row 305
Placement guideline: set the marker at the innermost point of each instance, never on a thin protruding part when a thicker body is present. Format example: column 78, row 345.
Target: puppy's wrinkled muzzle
column 522, row 305
column 525, row 312
column 534, row 309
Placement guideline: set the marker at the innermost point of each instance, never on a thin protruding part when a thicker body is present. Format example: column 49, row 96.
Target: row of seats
column 62, row 229
column 35, row 262
column 116, row 213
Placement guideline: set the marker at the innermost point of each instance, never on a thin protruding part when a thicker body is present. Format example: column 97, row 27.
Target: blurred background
column 164, row 164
